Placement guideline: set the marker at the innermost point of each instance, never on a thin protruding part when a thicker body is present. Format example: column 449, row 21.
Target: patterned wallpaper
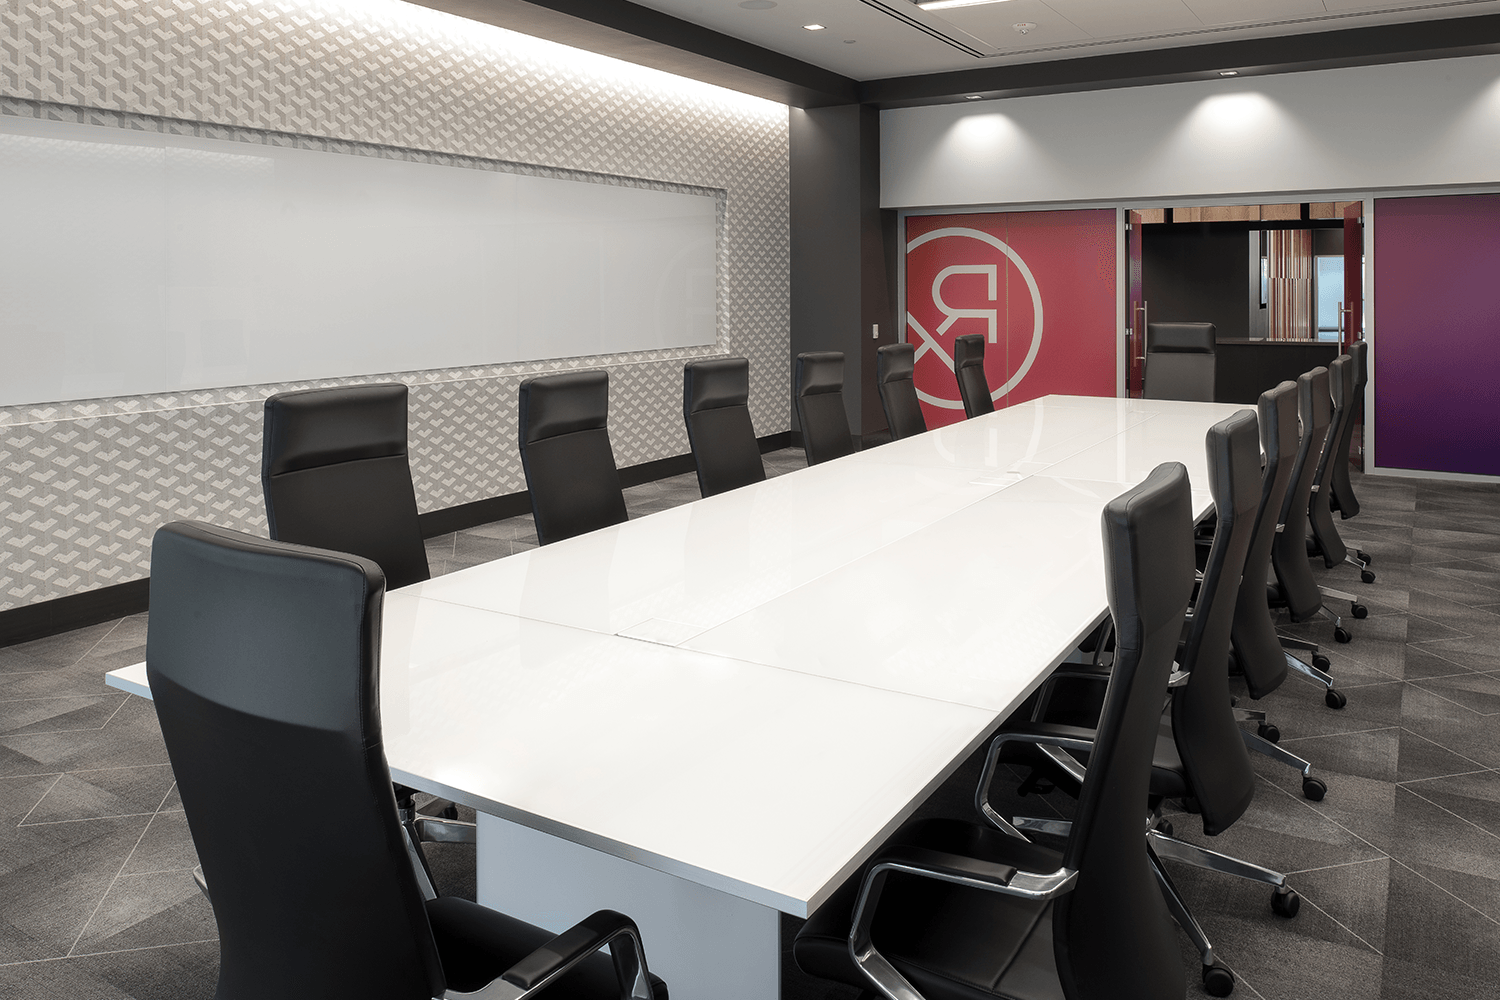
column 85, row 483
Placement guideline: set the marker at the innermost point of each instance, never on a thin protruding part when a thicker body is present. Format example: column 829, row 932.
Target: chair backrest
column 1319, row 503
column 565, row 452
column 263, row 660
column 1341, row 488
column 1112, row 934
column 1253, row 635
column 335, row 474
column 894, row 365
column 716, row 408
column 820, row 406
column 1208, row 739
column 1289, row 550
column 968, row 368
column 1180, row 359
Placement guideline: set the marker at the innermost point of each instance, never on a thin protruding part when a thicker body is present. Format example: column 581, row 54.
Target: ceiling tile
column 991, row 23
column 1111, row 18
column 1215, row 12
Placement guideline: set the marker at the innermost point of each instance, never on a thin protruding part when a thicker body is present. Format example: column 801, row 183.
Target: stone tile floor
column 1399, row 867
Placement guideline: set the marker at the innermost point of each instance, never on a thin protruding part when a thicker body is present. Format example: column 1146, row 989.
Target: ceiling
column 891, row 53
column 875, row 39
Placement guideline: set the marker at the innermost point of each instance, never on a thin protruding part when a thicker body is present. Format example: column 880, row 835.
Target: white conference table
column 714, row 714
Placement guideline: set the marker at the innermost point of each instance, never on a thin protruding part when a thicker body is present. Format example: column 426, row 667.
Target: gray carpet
column 1399, row 868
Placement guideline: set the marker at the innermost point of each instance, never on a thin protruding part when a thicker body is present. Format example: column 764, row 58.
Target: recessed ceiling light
column 850, row 41
column 945, row 4
column 814, row 27
column 973, row 97
column 758, row 4
column 1229, row 72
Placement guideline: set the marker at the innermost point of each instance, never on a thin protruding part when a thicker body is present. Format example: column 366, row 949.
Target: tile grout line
column 84, row 929
column 1450, row 812
column 1342, row 864
column 1357, row 936
column 1446, row 891
column 95, row 954
column 39, row 801
column 1428, row 739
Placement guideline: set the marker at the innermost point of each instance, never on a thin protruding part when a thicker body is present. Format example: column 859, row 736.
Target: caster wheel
column 1359, row 611
column 1322, row 662
column 1218, row 981
column 1335, row 699
column 1268, row 732
column 1313, row 789
column 1342, row 634
column 1367, row 576
column 1285, row 902
column 1364, row 556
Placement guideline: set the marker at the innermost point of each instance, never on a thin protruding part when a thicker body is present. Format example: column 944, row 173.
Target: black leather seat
column 335, row 473
column 1326, row 540
column 716, row 408
column 1344, row 500
column 1180, row 359
column 1295, row 588
column 894, row 365
column 820, row 406
column 263, row 660
column 968, row 368
column 1201, row 753
column 565, row 452
column 952, row 910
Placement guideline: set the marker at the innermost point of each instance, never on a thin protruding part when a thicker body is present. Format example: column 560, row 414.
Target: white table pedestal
column 707, row 944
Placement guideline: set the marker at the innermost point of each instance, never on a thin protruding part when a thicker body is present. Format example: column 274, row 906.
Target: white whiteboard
column 134, row 263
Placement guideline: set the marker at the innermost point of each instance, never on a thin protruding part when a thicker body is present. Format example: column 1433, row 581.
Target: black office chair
column 1180, row 360
column 1257, row 648
column 565, row 453
column 951, row 910
column 820, row 406
column 716, row 408
column 1202, row 752
column 968, row 368
column 1295, row 588
column 263, row 660
column 1325, row 540
column 894, row 365
column 335, row 474
column 1344, row 500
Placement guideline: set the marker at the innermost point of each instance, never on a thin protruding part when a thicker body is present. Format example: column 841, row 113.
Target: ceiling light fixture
column 945, row 4
column 814, row 27
column 1229, row 72
column 1022, row 27
column 973, row 97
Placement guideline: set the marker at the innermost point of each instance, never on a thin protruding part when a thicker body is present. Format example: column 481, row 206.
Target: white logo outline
column 930, row 343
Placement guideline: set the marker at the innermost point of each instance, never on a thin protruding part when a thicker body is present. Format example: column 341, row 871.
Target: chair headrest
column 895, row 363
column 1180, row 338
column 819, row 372
column 1148, row 547
column 968, row 350
column 716, row 383
column 552, row 405
column 316, row 427
column 215, row 589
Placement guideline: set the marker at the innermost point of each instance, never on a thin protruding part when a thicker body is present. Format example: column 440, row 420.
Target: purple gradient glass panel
column 1437, row 334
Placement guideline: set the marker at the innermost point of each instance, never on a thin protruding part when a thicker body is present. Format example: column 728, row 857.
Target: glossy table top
column 751, row 691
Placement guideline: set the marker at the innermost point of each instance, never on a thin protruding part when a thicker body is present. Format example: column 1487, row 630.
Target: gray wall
column 85, row 483
column 842, row 250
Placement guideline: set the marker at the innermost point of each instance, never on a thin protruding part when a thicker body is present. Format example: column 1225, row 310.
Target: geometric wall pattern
column 84, row 483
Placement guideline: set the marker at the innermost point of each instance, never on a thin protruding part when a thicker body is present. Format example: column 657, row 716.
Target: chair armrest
column 943, row 867
column 557, row 956
column 1039, row 734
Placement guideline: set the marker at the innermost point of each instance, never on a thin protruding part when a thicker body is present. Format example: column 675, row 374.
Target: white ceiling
column 865, row 40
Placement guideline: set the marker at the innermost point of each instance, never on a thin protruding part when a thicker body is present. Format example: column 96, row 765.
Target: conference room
column 775, row 486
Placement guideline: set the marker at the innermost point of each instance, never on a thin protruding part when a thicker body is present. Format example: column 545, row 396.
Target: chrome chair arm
column 555, row 958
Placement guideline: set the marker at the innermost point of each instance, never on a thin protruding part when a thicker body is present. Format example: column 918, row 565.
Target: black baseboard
column 64, row 614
